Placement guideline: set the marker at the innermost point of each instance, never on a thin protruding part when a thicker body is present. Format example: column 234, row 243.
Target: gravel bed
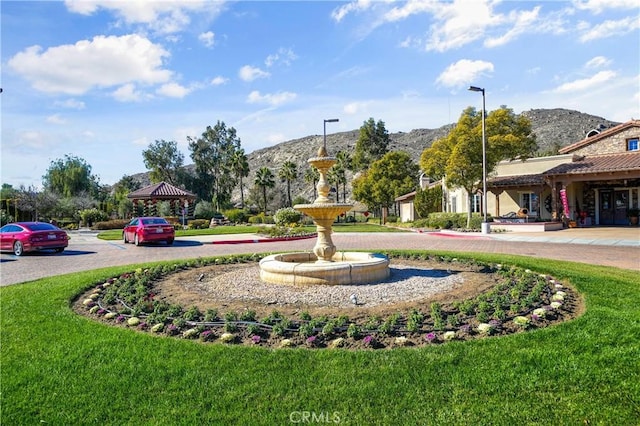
column 406, row 283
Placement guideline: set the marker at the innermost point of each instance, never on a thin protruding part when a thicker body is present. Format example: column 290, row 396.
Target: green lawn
column 116, row 234
column 60, row 368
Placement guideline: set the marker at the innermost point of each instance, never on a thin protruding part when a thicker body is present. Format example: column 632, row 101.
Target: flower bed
column 521, row 300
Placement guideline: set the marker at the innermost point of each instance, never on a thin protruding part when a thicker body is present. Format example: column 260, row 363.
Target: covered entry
column 613, row 206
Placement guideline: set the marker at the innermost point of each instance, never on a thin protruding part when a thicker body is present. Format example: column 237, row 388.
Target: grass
column 116, row 234
column 60, row 368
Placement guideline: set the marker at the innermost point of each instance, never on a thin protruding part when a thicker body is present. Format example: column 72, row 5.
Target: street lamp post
column 485, row 224
column 324, row 139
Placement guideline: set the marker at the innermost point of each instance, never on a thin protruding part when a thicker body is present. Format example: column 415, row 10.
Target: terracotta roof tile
column 522, row 180
column 598, row 164
column 159, row 191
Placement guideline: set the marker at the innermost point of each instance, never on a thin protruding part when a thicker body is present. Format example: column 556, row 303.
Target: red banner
column 565, row 202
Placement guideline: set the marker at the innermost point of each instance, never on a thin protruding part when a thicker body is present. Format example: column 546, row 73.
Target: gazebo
column 179, row 199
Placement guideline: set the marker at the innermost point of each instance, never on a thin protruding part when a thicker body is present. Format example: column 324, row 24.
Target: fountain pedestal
column 324, row 266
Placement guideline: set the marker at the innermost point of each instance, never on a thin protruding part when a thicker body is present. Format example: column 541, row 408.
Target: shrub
column 261, row 218
column 198, row 224
column 255, row 220
column 90, row 216
column 236, row 215
column 204, row 210
column 110, row 224
column 287, row 216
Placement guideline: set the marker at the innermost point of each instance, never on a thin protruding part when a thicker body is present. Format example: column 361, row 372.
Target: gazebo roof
column 161, row 191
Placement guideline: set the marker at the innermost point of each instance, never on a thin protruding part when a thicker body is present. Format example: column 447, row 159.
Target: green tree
column 458, row 156
column 164, row 161
column 373, row 142
column 70, row 176
column 344, row 162
column 312, row 176
column 428, row 201
column 288, row 173
column 120, row 190
column 9, row 203
column 36, row 203
column 264, row 179
column 391, row 176
column 212, row 154
column 240, row 167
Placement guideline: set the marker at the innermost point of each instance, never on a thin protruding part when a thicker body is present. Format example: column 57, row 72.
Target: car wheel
column 169, row 242
column 18, row 249
column 124, row 237
column 59, row 250
column 136, row 241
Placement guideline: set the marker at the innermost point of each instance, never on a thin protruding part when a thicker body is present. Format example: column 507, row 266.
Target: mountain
column 554, row 129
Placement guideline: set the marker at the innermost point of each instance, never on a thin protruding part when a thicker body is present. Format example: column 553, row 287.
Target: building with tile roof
column 595, row 181
column 180, row 200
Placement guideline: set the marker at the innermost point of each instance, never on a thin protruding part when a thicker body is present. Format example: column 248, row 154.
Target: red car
column 148, row 229
column 22, row 237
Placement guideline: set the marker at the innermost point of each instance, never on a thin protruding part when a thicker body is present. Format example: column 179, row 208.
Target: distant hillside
column 554, row 128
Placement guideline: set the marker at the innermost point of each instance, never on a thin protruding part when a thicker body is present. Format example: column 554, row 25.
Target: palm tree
column 240, row 167
column 288, row 172
column 311, row 175
column 344, row 162
column 265, row 179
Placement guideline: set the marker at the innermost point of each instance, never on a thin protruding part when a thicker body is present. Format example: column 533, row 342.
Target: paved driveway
column 86, row 252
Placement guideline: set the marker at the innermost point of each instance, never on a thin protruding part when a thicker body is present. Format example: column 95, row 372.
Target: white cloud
column 283, row 56
column 463, row 72
column 353, row 108
column 609, row 29
column 164, row 17
column 273, row 99
column 409, row 8
column 143, row 141
column 55, row 119
column 598, row 6
column 128, row 93
column 339, row 13
column 598, row 62
column 208, row 38
column 173, row 90
column 219, row 80
column 586, row 83
column 249, row 73
column 460, row 23
column 523, row 22
column 275, row 138
column 70, row 104
column 101, row 62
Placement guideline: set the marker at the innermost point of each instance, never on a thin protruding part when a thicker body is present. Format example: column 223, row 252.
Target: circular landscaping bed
column 427, row 300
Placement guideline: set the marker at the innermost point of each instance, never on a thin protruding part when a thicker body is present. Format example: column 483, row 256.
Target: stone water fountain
column 325, row 265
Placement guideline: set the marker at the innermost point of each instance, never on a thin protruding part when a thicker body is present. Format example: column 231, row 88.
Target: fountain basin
column 345, row 268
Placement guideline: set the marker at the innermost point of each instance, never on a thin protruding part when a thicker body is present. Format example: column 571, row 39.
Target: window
column 632, row 144
column 454, row 204
column 529, row 201
column 476, row 203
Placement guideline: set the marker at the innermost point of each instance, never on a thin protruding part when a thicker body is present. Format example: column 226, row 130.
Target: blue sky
column 101, row 80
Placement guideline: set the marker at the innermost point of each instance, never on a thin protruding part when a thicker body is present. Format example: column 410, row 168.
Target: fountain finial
column 322, row 152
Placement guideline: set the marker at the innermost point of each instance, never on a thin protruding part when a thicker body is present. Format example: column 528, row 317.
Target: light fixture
column 329, row 120
column 485, row 223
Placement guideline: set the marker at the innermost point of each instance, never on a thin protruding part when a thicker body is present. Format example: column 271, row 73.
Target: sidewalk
column 594, row 236
column 618, row 236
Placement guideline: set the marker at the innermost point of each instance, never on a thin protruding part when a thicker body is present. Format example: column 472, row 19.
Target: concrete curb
column 265, row 240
